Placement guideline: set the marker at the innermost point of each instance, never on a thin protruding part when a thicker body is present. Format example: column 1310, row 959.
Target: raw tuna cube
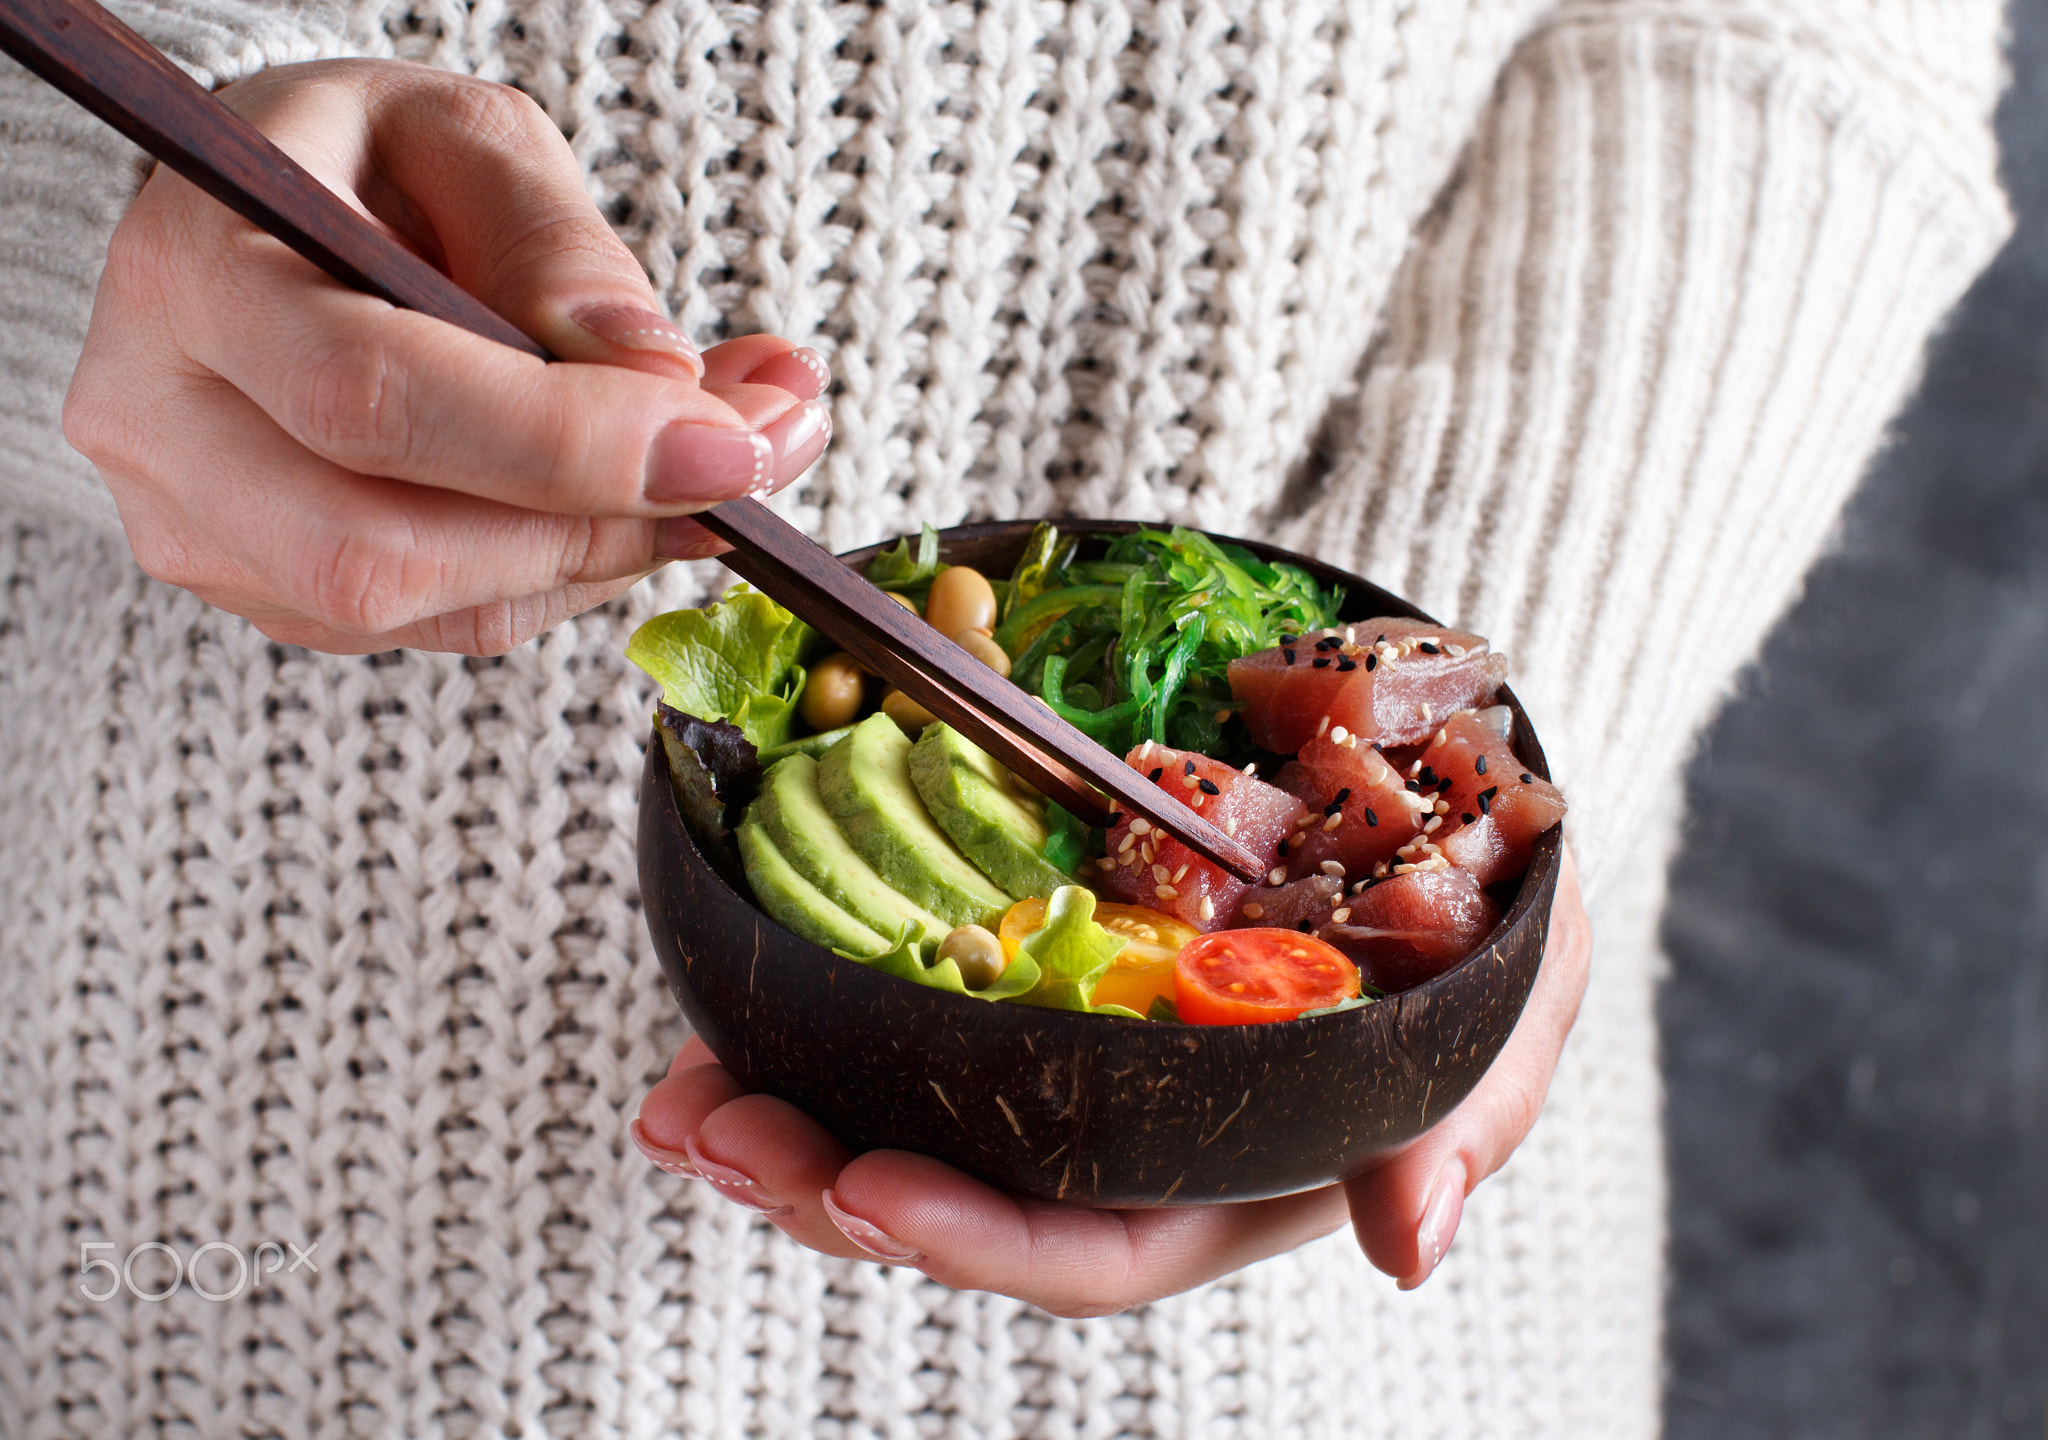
column 1285, row 907
column 1374, row 814
column 1373, row 679
column 1412, row 928
column 1161, row 872
column 1283, row 692
column 1497, row 807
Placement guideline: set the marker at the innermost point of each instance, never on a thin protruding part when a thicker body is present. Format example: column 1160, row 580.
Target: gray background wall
column 1856, row 1028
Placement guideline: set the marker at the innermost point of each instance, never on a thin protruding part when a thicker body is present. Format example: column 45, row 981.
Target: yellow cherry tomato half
column 1142, row 970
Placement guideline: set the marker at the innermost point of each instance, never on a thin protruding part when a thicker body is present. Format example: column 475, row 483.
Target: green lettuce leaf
column 1071, row 953
column 898, row 569
column 1067, row 846
column 737, row 660
column 1356, row 1002
column 906, row 961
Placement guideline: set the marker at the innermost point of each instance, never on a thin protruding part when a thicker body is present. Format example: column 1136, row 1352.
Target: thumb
column 1406, row 1210
column 482, row 169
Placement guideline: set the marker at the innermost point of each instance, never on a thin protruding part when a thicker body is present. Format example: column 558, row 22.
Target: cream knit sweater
column 1576, row 325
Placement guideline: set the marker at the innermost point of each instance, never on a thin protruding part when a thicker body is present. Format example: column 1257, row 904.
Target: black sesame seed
column 1527, row 777
column 1283, row 849
column 1485, row 798
column 1157, row 771
column 1371, row 661
column 1328, row 642
column 1290, row 656
column 1428, row 649
column 1289, row 639
column 1372, row 821
column 1378, row 641
column 1187, row 768
column 1208, row 787
column 1443, row 785
column 1414, row 786
column 1479, row 766
column 1469, row 817
column 1320, row 662
column 1427, row 775
column 1306, row 927
column 1347, row 663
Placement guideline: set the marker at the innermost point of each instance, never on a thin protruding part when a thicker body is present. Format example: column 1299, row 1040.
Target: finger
column 1069, row 1259
column 223, row 504
column 767, row 360
column 1405, row 1211
column 491, row 629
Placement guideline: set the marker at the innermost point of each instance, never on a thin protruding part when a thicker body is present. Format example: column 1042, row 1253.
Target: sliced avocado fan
column 797, row 904
column 997, row 825
column 792, row 813
column 866, row 785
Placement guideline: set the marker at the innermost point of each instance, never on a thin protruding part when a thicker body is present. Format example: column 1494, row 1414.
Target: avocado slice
column 796, row 903
column 792, row 812
column 865, row 781
column 995, row 824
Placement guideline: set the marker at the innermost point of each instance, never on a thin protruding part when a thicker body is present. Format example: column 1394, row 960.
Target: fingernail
column 1439, row 1220
column 703, row 462
column 870, row 1237
column 735, row 1185
column 681, row 539
column 675, row 1162
column 799, row 438
column 631, row 328
column 802, row 372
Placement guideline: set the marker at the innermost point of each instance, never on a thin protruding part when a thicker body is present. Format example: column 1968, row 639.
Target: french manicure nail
column 675, row 1162
column 802, row 372
column 631, row 328
column 689, row 461
column 1439, row 1220
column 869, row 1236
column 735, row 1185
column 799, row 439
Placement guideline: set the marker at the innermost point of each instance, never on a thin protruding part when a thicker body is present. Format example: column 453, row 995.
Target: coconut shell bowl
column 1070, row 1106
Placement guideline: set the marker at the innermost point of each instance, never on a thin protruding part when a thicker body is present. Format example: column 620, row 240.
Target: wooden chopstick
column 84, row 51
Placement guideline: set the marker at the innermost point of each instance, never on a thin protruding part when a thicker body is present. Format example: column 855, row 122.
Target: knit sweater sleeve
column 1646, row 346
column 64, row 184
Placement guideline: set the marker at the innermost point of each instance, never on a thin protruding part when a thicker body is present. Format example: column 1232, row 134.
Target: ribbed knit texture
column 303, row 948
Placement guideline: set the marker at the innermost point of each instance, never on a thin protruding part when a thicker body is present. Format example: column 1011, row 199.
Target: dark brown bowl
column 1071, row 1106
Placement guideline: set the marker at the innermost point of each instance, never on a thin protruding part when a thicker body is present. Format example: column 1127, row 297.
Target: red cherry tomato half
column 1252, row 977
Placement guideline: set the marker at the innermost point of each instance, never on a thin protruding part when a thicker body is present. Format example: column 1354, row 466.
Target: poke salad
column 1369, row 763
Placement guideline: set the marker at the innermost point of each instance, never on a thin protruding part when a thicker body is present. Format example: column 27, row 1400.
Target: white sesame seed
column 1252, row 768
column 1439, row 735
column 1178, row 873
column 1379, row 871
column 1230, row 825
column 1255, row 911
column 1404, row 869
column 1141, row 826
column 1334, row 821
column 1208, row 911
column 1434, row 821
column 1297, row 838
column 1107, row 862
column 1130, row 840
column 1165, row 892
column 1349, row 742
column 1425, row 712
column 1145, row 751
column 1331, row 867
column 1338, row 917
column 1456, row 652
column 1337, row 734
column 1190, row 781
column 1321, row 726
column 1442, row 807
column 1276, row 876
column 1159, row 874
column 1148, row 850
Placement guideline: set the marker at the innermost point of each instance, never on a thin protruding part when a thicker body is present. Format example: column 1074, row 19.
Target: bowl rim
column 1544, row 858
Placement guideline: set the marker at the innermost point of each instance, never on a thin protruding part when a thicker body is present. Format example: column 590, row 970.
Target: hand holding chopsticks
column 87, row 53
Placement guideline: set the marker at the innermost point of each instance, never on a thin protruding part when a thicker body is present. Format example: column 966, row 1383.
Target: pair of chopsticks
column 82, row 50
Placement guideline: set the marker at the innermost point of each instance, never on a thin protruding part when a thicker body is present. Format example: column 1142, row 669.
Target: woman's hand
column 1070, row 1260
column 355, row 477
